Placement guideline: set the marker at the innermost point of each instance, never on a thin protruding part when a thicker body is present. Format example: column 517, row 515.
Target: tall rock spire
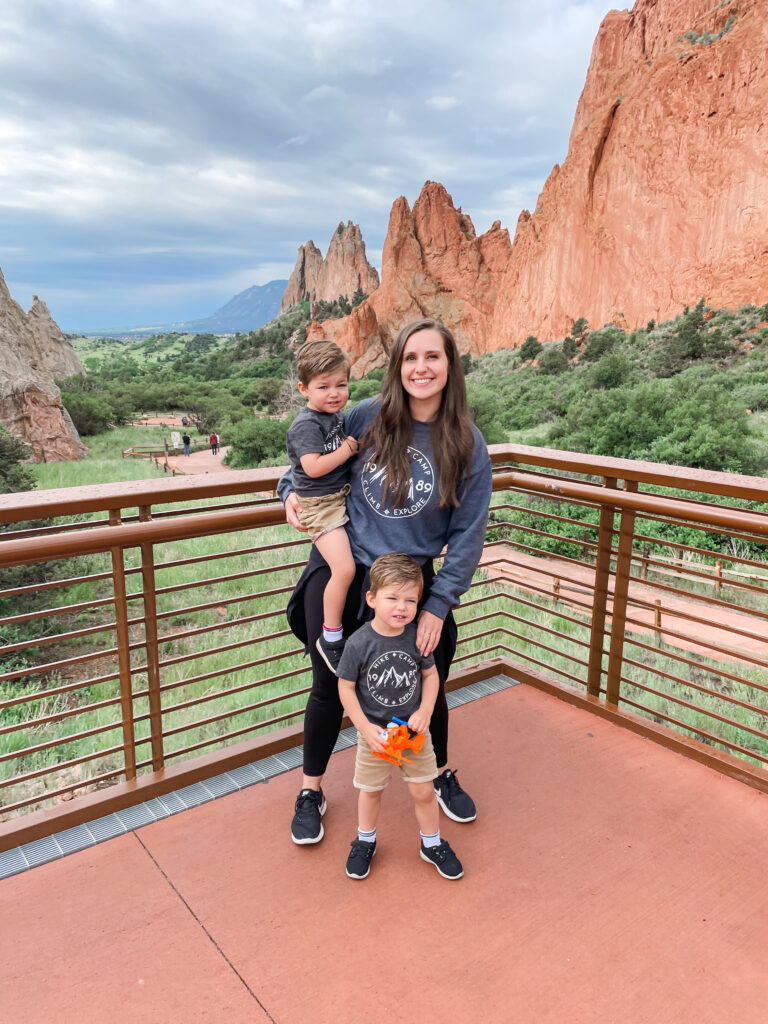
column 344, row 270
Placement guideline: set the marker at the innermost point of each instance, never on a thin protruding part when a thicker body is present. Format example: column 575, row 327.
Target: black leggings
column 322, row 720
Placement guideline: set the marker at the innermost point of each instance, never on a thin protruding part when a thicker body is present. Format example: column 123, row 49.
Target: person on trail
column 186, row 441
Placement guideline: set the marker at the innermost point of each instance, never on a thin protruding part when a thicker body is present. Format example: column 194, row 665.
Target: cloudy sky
column 159, row 156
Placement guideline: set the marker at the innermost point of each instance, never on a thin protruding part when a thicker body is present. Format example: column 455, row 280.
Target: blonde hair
column 395, row 570
column 318, row 357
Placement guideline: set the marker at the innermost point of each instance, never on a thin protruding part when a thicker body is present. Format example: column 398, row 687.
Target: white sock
column 332, row 634
column 433, row 840
column 366, row 837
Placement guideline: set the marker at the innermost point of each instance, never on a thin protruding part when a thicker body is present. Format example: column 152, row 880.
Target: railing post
column 153, row 654
column 123, row 652
column 657, row 619
column 718, row 576
column 600, row 600
column 620, row 595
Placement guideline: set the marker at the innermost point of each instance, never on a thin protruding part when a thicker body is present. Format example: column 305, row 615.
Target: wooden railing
column 144, row 642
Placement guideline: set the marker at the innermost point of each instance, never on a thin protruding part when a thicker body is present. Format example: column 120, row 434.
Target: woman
column 421, row 483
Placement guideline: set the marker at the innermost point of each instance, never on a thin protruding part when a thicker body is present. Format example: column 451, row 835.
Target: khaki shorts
column 372, row 774
column 324, row 513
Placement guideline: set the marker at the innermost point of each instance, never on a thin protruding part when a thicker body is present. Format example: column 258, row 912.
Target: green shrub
column 258, row 442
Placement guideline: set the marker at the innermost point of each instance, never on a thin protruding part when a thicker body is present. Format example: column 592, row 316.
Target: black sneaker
column 331, row 652
column 306, row 826
column 444, row 859
column 458, row 805
column 359, row 859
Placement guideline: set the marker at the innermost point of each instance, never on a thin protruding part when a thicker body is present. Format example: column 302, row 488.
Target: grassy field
column 104, row 463
column 155, row 349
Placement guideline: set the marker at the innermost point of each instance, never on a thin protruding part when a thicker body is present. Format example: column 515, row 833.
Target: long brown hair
column 391, row 431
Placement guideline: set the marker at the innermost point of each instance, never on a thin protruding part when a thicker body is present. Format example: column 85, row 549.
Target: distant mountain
column 248, row 310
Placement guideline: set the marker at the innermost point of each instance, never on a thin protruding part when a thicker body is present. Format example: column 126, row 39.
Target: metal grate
column 42, row 851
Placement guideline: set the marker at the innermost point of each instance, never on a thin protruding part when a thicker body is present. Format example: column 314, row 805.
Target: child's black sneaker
column 331, row 652
column 306, row 826
column 444, row 859
column 359, row 859
column 458, row 805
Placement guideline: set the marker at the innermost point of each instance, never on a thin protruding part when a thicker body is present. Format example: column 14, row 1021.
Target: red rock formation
column 344, row 269
column 34, row 351
column 303, row 280
column 433, row 265
column 662, row 199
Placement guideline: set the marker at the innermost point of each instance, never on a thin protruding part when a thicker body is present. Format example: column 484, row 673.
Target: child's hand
column 372, row 735
column 419, row 720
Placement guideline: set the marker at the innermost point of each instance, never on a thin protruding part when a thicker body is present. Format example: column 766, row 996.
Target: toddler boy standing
column 381, row 675
column 318, row 450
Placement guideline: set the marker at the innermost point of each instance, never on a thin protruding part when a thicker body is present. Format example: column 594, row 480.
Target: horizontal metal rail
column 101, row 688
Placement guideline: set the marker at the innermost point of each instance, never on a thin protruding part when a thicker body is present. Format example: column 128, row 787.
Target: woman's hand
column 352, row 444
column 428, row 632
column 292, row 503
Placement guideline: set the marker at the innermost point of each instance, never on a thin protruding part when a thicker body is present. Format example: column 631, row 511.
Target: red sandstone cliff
column 34, row 350
column 344, row 269
column 433, row 264
column 662, row 198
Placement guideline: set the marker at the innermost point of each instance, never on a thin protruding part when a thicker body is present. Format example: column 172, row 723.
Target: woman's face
column 424, row 372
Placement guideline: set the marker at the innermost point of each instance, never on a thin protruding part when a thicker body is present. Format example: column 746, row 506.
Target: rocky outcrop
column 34, row 352
column 344, row 269
column 433, row 264
column 662, row 198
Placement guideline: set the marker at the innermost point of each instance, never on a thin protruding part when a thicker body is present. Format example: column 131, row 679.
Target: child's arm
column 430, row 682
column 314, row 464
column 351, row 704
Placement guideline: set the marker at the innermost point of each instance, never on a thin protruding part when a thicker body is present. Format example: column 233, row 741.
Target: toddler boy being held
column 318, row 450
column 382, row 674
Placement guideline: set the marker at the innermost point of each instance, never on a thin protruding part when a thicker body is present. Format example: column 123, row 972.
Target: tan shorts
column 324, row 513
column 372, row 774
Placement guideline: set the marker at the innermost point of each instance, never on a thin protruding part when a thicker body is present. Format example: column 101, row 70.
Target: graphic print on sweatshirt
column 419, row 492
column 392, row 679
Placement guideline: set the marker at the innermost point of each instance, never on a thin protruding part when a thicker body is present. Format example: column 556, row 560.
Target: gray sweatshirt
column 419, row 528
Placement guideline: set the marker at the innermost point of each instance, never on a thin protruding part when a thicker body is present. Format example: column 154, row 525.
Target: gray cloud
column 157, row 158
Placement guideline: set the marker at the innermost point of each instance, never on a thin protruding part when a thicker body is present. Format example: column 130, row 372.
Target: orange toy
column 398, row 738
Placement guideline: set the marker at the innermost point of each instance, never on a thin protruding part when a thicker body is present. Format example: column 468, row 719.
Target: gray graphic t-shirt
column 317, row 433
column 387, row 672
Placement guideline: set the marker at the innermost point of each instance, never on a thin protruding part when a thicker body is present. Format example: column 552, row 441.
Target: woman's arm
column 465, row 537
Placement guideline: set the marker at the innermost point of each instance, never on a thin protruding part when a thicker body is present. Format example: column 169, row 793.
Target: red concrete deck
column 607, row 879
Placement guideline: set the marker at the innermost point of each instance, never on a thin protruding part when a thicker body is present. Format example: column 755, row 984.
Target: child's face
column 394, row 607
column 328, row 392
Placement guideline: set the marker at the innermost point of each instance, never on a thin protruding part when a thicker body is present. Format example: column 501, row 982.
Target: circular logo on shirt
column 419, row 492
column 392, row 679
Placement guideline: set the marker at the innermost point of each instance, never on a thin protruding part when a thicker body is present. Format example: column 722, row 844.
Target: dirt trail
column 200, row 462
column 576, row 582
